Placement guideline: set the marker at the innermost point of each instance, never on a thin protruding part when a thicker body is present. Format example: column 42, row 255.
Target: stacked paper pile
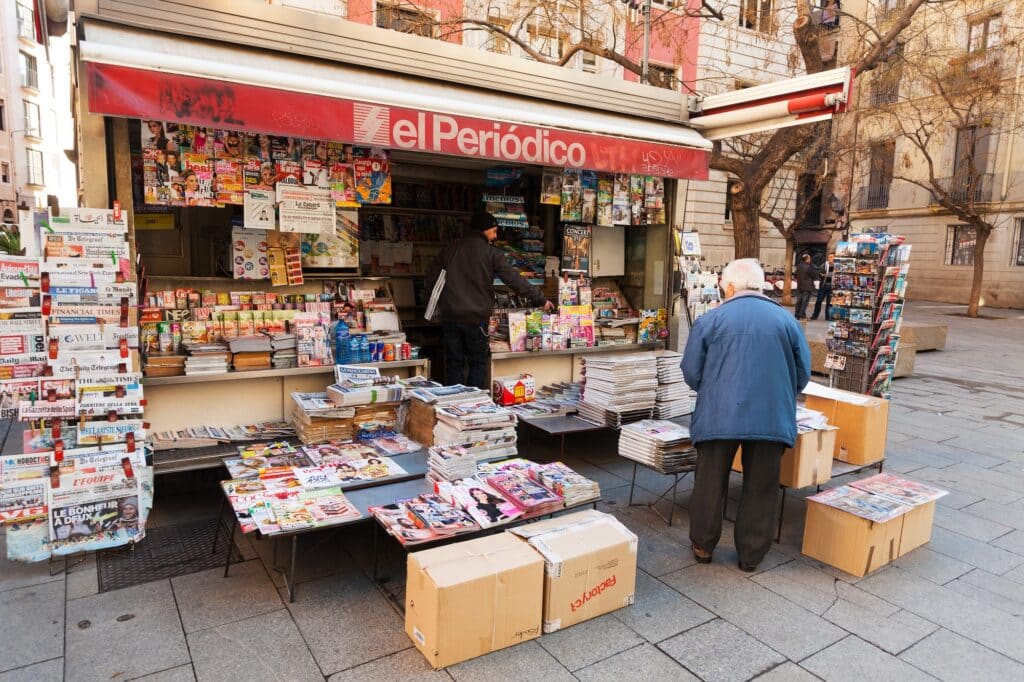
column 207, row 358
column 259, row 343
column 573, row 487
column 318, row 419
column 484, row 429
column 619, row 389
column 285, row 355
column 674, row 397
column 662, row 445
column 525, row 493
column 810, row 420
column 450, row 463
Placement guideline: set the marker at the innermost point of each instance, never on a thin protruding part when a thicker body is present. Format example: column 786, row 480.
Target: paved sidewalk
column 952, row 610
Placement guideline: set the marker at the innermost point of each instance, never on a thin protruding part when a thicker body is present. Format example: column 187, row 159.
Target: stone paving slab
column 718, row 651
column 207, row 599
column 405, row 666
column 112, row 635
column 644, row 663
column 659, row 611
column 589, row 642
column 527, row 661
column 31, row 624
column 949, row 656
column 47, row 671
column 183, row 673
column 854, row 660
column 267, row 647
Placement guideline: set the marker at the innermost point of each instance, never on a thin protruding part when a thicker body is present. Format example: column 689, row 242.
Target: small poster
column 229, row 181
column 551, row 186
column 588, row 182
column 572, row 196
column 620, row 200
column 336, row 249
column 249, row 254
column 342, row 179
column 372, row 175
column 259, row 210
column 576, row 248
column 305, row 209
column 691, row 244
column 636, row 199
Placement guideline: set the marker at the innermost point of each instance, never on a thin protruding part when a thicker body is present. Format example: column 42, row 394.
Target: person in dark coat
column 747, row 360
column 804, row 285
column 825, row 288
column 470, row 265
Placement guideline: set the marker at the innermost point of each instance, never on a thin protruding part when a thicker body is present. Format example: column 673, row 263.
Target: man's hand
column 548, row 306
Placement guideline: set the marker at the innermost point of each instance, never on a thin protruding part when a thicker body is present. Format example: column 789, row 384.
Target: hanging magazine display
column 576, row 248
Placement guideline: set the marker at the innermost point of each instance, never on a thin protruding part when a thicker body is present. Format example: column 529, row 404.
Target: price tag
column 836, row 362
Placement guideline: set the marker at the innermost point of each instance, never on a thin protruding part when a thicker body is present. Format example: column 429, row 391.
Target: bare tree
column 958, row 97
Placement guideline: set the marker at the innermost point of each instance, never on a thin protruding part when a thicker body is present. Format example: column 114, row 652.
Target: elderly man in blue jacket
column 747, row 360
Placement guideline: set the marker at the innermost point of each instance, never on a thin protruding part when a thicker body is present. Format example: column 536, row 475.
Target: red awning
column 118, row 90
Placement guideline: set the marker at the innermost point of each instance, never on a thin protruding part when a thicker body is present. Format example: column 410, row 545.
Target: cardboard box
column 590, row 566
column 809, row 463
column 859, row 546
column 863, row 423
column 848, row 542
column 513, row 390
column 470, row 598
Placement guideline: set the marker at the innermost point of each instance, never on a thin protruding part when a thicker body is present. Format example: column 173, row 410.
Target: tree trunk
column 979, row 270
column 746, row 223
column 787, row 277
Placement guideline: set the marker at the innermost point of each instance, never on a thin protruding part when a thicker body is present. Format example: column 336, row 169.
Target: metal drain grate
column 166, row 552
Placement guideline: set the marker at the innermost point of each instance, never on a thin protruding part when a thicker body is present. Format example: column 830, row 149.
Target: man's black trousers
column 465, row 344
column 755, row 520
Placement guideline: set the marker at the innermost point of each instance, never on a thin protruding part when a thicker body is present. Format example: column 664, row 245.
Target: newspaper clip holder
column 47, row 305
column 44, row 282
column 129, row 439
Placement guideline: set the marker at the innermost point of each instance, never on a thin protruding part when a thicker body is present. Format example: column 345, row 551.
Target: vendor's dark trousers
column 465, row 344
column 755, row 520
column 802, row 299
column 824, row 295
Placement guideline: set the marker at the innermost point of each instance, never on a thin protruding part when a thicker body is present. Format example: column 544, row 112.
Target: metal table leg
column 632, row 484
column 220, row 522
column 289, row 578
column 231, row 546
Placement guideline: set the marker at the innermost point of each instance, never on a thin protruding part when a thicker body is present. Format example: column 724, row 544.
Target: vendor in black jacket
column 471, row 265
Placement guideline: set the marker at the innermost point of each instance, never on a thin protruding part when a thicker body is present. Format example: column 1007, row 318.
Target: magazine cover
column 93, row 511
column 431, row 511
column 636, row 199
column 572, row 196
column 621, row 214
column 197, row 180
column 372, row 175
column 312, row 343
column 525, row 493
column 860, row 503
column 341, row 178
column 230, row 182
column 588, row 183
column 576, row 248
column 551, row 186
column 517, row 331
column 480, row 501
column 605, row 185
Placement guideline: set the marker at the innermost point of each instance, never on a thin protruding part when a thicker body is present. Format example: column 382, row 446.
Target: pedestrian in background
column 825, row 288
column 747, row 360
column 470, row 266
column 804, row 285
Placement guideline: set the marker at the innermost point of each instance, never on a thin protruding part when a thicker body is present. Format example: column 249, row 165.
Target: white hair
column 744, row 274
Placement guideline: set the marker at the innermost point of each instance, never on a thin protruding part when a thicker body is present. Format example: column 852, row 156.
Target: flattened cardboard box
column 590, row 566
column 809, row 463
column 863, row 426
column 470, row 598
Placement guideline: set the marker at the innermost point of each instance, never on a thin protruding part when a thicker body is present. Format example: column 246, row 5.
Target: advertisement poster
column 338, row 248
column 588, row 212
column 305, row 209
column 551, row 186
column 249, row 254
column 572, row 196
column 258, row 209
column 605, row 183
column 576, row 248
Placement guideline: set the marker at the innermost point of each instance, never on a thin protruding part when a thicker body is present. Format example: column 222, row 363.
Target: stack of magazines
column 879, row 498
column 619, row 389
column 207, row 358
column 484, row 429
column 353, row 463
column 422, row 519
column 661, row 445
column 674, row 397
column 285, row 353
column 525, row 493
column 252, row 460
column 449, row 463
column 264, row 506
column 356, row 385
column 573, row 487
column 478, row 499
column 319, row 419
column 810, row 420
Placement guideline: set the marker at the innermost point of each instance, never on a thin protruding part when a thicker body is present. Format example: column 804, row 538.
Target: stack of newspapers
column 674, row 397
column 661, row 445
column 484, row 429
column 619, row 389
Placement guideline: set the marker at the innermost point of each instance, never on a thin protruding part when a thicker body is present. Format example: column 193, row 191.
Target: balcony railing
column 976, row 68
column 965, row 189
column 874, row 197
column 889, row 10
column 884, row 91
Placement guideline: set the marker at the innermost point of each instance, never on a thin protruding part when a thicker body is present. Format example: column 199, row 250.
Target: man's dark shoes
column 747, row 568
column 701, row 556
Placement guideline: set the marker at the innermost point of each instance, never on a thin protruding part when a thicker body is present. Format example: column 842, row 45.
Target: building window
column 983, row 33
column 758, row 15
column 547, row 41
column 663, row 76
column 961, row 240
column 34, row 166
column 1018, row 253
column 496, row 42
column 971, row 151
column 3, row 116
column 729, row 184
column 26, row 14
column 29, row 74
column 32, row 126
column 876, row 194
column 5, row 172
column 588, row 62
column 406, row 20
